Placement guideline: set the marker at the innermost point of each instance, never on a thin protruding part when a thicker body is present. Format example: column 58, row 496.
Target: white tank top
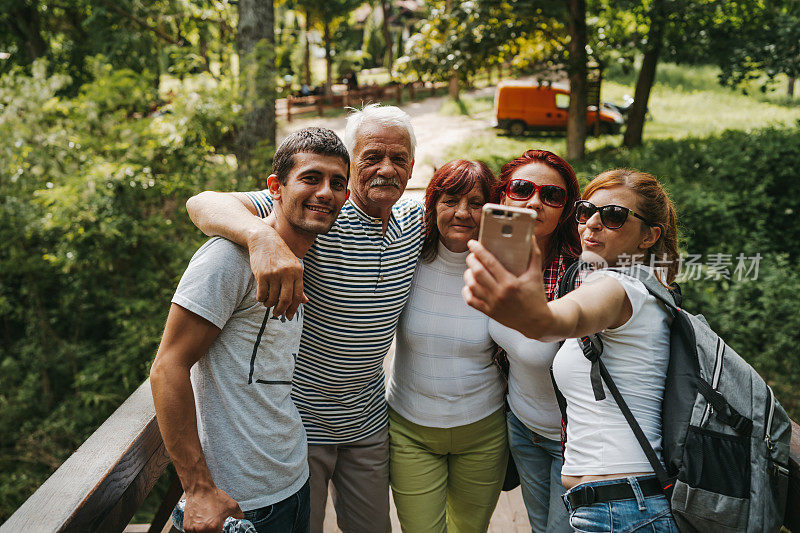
column 599, row 440
column 530, row 390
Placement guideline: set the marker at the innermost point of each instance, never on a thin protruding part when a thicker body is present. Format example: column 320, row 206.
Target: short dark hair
column 310, row 140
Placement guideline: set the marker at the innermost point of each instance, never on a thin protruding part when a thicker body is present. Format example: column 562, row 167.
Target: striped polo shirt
column 357, row 281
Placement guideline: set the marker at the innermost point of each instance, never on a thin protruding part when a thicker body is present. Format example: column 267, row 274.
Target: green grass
column 467, row 104
column 685, row 102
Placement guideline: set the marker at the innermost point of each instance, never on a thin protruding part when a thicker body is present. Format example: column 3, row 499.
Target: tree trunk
column 647, row 75
column 202, row 43
column 26, row 24
column 387, row 37
column 452, row 89
column 326, row 32
column 255, row 42
column 576, row 116
column 307, row 53
column 790, row 87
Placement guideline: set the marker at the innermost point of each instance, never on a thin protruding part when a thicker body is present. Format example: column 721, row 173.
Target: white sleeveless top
column 599, row 440
column 530, row 390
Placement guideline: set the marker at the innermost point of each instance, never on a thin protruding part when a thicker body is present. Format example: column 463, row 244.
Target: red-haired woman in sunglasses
column 624, row 214
column 544, row 182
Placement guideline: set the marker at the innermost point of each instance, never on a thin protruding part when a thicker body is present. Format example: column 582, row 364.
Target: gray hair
column 389, row 116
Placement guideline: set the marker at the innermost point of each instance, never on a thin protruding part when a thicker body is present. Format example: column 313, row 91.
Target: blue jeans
column 291, row 515
column 538, row 461
column 650, row 513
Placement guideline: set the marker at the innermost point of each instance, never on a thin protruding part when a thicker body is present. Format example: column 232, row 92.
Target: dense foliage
column 162, row 36
column 95, row 238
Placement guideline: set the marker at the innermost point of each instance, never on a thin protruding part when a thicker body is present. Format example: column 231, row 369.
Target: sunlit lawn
column 685, row 101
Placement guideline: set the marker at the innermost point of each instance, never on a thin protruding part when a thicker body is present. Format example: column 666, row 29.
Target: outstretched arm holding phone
column 519, row 302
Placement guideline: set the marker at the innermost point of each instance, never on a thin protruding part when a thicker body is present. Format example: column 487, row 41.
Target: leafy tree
column 326, row 15
column 129, row 33
column 91, row 211
column 24, row 30
column 760, row 39
column 468, row 36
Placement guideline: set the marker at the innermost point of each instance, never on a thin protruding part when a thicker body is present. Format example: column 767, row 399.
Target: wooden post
column 164, row 511
column 319, row 104
column 288, row 108
column 399, row 93
column 433, row 88
column 411, row 90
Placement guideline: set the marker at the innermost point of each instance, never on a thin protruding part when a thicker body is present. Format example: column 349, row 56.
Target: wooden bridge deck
column 509, row 515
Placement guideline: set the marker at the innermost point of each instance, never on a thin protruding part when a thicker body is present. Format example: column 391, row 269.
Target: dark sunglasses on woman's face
column 522, row 189
column 611, row 216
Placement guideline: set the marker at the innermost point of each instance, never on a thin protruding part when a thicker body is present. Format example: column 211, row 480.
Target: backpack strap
column 567, row 282
column 724, row 411
column 565, row 285
column 562, row 406
column 593, row 349
column 663, row 478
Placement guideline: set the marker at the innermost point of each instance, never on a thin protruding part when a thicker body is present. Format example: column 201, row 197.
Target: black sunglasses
column 611, row 216
column 522, row 189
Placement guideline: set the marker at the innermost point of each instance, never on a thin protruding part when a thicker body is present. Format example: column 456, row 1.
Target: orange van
column 520, row 106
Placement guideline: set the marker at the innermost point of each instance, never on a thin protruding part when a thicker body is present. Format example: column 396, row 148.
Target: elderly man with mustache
column 357, row 280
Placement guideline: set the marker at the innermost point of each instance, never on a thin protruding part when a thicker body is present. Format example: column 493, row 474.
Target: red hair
column 456, row 177
column 565, row 239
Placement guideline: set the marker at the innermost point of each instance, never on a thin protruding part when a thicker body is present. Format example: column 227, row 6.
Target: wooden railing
column 295, row 105
column 102, row 484
column 100, row 487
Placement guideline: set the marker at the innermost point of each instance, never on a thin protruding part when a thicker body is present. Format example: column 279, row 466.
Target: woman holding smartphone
column 624, row 214
column 447, row 431
column 541, row 181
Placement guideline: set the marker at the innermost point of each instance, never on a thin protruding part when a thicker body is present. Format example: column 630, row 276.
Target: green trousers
column 447, row 479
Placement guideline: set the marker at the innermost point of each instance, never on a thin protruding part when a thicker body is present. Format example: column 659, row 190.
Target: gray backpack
column 725, row 436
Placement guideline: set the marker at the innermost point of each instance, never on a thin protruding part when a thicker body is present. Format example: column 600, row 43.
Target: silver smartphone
column 506, row 232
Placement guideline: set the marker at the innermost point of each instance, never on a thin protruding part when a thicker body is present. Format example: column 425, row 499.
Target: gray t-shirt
column 250, row 430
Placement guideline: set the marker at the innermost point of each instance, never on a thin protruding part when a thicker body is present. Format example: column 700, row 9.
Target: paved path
column 434, row 132
column 508, row 517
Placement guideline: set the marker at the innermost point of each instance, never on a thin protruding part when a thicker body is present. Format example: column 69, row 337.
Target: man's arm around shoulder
column 278, row 273
column 186, row 339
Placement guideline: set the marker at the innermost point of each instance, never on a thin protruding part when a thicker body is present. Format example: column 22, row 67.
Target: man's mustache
column 382, row 182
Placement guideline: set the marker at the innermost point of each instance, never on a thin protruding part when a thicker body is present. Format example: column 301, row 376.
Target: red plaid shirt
column 552, row 275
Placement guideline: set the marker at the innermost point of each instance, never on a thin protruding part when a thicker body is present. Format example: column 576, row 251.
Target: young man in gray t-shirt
column 222, row 377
